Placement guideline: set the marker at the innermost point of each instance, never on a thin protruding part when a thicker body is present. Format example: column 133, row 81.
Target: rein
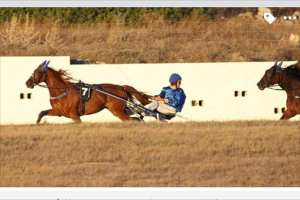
column 297, row 97
column 62, row 95
column 275, row 88
column 36, row 82
column 272, row 88
column 56, row 88
column 76, row 92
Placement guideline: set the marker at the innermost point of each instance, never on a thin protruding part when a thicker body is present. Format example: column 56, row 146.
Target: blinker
column 45, row 66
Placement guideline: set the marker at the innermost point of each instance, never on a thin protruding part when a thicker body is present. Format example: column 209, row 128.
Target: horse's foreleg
column 288, row 114
column 50, row 112
column 76, row 118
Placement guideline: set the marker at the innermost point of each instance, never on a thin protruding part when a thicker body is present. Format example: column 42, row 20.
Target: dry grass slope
column 234, row 39
column 240, row 153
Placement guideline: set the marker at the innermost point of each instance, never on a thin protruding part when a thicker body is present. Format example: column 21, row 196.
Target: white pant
column 161, row 107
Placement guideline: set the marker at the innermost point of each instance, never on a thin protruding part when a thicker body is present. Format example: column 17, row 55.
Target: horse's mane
column 294, row 68
column 64, row 75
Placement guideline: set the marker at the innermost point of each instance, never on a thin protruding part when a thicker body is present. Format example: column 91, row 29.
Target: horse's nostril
column 260, row 87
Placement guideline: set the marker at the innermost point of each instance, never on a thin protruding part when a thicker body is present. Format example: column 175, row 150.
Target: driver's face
column 178, row 83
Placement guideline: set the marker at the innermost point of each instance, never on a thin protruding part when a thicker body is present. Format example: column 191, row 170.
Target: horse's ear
column 44, row 62
column 280, row 64
column 275, row 64
column 45, row 66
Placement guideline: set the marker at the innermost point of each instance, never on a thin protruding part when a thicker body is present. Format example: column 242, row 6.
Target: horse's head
column 38, row 75
column 272, row 76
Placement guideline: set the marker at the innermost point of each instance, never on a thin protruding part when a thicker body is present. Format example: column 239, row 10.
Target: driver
column 171, row 99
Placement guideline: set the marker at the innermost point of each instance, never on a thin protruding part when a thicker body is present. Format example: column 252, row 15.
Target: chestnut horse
column 65, row 97
column 289, row 80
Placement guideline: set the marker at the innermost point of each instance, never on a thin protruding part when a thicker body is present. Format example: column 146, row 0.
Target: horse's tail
column 142, row 97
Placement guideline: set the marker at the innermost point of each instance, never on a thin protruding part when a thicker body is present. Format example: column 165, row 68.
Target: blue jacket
column 176, row 98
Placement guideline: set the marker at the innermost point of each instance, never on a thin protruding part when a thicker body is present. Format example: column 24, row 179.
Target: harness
column 85, row 91
column 62, row 95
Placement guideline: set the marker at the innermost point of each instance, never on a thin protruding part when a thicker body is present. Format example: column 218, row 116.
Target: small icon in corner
column 269, row 18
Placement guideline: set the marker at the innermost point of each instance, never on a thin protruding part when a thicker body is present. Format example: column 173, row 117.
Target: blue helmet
column 174, row 78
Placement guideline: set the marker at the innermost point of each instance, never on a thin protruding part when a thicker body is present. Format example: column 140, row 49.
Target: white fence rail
column 215, row 91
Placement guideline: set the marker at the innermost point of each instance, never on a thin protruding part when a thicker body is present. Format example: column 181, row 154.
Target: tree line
column 110, row 15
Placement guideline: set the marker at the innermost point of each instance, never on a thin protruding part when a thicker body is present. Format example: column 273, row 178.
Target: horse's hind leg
column 50, row 112
column 288, row 114
column 120, row 114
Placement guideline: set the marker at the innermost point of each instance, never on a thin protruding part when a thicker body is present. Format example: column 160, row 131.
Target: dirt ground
column 196, row 154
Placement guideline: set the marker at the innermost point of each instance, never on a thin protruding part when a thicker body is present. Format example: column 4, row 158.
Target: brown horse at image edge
column 289, row 80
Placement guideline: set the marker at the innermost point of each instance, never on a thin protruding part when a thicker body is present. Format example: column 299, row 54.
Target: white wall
column 214, row 83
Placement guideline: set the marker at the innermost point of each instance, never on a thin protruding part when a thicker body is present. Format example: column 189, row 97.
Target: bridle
column 281, row 77
column 37, row 81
